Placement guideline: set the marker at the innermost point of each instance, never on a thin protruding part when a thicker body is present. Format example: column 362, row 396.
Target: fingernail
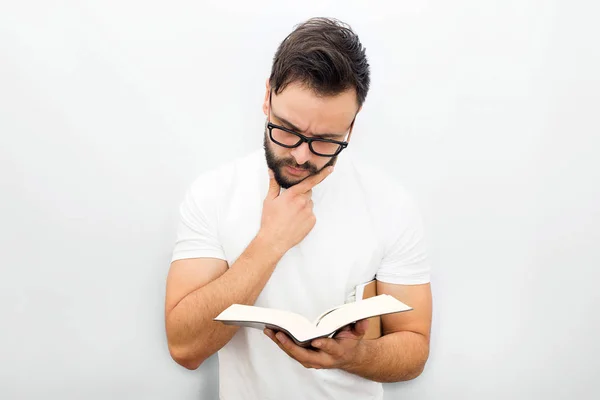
column 331, row 169
column 270, row 173
column 317, row 343
column 281, row 337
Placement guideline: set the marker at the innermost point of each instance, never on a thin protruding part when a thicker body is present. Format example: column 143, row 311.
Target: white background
column 487, row 111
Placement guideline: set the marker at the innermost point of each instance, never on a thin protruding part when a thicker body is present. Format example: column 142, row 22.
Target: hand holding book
column 301, row 330
column 338, row 352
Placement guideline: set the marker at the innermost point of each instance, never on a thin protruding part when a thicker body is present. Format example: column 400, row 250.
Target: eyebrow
column 319, row 135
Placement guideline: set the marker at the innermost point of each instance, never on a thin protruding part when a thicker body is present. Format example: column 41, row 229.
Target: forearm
column 193, row 335
column 395, row 357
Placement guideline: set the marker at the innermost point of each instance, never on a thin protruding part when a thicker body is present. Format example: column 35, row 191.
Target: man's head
column 319, row 81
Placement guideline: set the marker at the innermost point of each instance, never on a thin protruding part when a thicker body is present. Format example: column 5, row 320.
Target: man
column 280, row 229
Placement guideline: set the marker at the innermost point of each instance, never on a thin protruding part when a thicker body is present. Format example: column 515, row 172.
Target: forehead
column 311, row 112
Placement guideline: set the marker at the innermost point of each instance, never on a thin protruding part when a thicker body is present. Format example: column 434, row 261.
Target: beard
column 277, row 164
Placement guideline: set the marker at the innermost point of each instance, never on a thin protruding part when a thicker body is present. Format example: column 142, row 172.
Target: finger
column 269, row 333
column 273, row 186
column 272, row 335
column 300, row 354
column 311, row 181
column 303, row 198
column 345, row 331
column 360, row 328
column 329, row 346
column 350, row 332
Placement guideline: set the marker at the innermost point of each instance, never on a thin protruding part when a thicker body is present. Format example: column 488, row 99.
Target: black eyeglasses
column 289, row 139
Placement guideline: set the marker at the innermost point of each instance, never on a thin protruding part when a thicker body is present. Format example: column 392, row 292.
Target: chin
column 286, row 181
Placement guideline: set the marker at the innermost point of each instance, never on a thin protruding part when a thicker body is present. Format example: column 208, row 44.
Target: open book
column 301, row 330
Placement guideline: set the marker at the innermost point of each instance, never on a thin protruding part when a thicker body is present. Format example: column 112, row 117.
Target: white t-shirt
column 367, row 226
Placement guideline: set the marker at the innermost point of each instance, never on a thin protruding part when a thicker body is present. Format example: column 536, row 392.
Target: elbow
column 191, row 365
column 185, row 358
column 402, row 376
column 416, row 370
column 415, row 373
column 420, row 361
column 419, row 366
column 181, row 352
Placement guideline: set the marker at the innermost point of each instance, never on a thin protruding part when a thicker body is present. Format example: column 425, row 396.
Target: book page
column 361, row 292
column 320, row 317
column 352, row 312
column 296, row 325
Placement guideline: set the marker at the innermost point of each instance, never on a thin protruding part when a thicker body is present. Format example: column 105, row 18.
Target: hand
column 288, row 218
column 339, row 352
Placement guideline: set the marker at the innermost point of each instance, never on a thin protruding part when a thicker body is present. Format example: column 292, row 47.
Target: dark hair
column 325, row 55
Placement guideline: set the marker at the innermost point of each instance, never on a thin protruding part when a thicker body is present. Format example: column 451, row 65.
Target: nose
column 301, row 153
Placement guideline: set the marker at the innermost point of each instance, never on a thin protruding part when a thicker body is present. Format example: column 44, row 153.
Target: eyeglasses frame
column 309, row 140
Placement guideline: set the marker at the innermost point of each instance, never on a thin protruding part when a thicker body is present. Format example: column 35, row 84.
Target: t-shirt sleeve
column 405, row 260
column 197, row 232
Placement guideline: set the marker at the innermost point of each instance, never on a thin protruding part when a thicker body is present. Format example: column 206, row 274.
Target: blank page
column 352, row 312
column 296, row 324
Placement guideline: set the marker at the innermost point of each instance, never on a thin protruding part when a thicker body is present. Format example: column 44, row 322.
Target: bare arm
column 401, row 353
column 199, row 289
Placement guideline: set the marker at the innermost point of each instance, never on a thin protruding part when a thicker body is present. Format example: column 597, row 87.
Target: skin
column 201, row 288
column 299, row 109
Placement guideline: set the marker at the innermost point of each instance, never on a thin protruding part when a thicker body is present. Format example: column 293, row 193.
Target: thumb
column 273, row 186
column 360, row 328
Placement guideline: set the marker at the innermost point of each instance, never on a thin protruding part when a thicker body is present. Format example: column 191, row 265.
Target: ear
column 265, row 105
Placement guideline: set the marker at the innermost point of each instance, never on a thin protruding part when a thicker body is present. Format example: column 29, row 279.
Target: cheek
column 280, row 152
column 320, row 162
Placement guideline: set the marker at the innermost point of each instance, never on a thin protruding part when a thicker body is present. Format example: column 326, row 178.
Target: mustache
column 291, row 163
